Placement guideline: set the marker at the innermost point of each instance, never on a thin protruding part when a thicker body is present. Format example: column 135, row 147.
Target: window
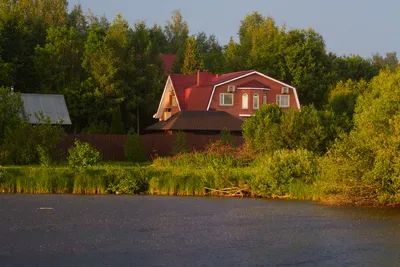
column 245, row 101
column 226, row 99
column 173, row 101
column 283, row 101
column 265, row 99
column 256, row 101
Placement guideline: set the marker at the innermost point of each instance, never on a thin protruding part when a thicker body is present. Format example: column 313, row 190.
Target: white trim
column 159, row 110
column 252, row 88
column 248, row 74
column 226, row 105
column 245, row 115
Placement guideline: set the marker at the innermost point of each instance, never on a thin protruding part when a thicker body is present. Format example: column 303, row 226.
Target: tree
column 343, row 97
column 211, row 52
column 192, row 60
column 10, row 110
column 354, row 67
column 233, row 60
column 364, row 166
column 390, row 61
column 147, row 76
column 117, row 126
column 260, row 131
column 176, row 32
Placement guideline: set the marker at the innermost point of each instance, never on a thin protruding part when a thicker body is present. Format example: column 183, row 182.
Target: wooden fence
column 111, row 147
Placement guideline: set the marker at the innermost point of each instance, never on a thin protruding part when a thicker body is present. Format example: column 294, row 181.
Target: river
column 71, row 230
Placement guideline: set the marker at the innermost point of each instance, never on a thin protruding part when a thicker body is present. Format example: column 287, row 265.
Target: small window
column 283, row 101
column 226, row 99
column 173, row 101
column 256, row 101
column 265, row 99
column 245, row 101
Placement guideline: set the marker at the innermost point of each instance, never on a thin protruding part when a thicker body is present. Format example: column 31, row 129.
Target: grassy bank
column 196, row 174
column 290, row 174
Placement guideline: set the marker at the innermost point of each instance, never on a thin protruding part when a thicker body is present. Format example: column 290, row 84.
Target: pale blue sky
column 348, row 26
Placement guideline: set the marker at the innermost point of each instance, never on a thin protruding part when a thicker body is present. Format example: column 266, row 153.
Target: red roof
column 197, row 97
column 168, row 62
column 180, row 83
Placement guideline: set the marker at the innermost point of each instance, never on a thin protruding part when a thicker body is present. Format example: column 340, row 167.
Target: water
column 67, row 230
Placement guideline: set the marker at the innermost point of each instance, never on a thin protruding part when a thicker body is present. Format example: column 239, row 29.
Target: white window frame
column 245, row 101
column 222, row 102
column 256, row 103
column 265, row 99
column 279, row 101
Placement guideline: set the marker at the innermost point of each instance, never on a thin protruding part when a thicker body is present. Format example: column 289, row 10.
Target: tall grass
column 61, row 180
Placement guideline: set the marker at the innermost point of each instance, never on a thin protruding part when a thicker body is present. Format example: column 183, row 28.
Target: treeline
column 111, row 73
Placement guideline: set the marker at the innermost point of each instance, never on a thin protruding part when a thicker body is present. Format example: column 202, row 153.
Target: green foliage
column 363, row 167
column 226, row 137
column 343, row 97
column 24, row 143
column 101, row 180
column 179, row 145
column 192, row 59
column 271, row 129
column 117, row 126
column 284, row 170
column 10, row 109
column 44, row 157
column 82, row 155
column 261, row 130
column 133, row 148
column 127, row 181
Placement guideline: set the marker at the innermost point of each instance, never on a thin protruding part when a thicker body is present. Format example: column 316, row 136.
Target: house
column 50, row 105
column 239, row 94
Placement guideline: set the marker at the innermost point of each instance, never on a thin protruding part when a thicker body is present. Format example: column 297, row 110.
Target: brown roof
column 190, row 120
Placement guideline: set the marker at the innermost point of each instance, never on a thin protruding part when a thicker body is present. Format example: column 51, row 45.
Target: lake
column 71, row 230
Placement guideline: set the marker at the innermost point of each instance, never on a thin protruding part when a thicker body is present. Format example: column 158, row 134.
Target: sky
column 360, row 27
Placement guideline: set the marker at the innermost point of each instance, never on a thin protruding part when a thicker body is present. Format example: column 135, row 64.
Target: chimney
column 203, row 77
column 217, row 76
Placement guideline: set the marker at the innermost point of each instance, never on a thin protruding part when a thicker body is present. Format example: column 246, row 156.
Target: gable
column 253, row 84
column 248, row 79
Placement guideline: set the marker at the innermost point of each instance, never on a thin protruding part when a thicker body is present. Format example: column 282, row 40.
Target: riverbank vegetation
column 342, row 147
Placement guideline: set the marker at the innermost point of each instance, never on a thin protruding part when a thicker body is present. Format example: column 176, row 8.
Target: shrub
column 82, row 155
column 277, row 174
column 226, row 137
column 25, row 143
column 133, row 148
column 179, row 145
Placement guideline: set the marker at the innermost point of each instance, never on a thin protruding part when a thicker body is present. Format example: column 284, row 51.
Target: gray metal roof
column 52, row 106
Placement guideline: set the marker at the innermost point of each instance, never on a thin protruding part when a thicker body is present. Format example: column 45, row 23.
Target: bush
column 179, row 145
column 133, row 148
column 25, row 143
column 82, row 155
column 278, row 174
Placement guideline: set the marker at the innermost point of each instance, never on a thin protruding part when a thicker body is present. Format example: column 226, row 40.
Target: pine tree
column 192, row 59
